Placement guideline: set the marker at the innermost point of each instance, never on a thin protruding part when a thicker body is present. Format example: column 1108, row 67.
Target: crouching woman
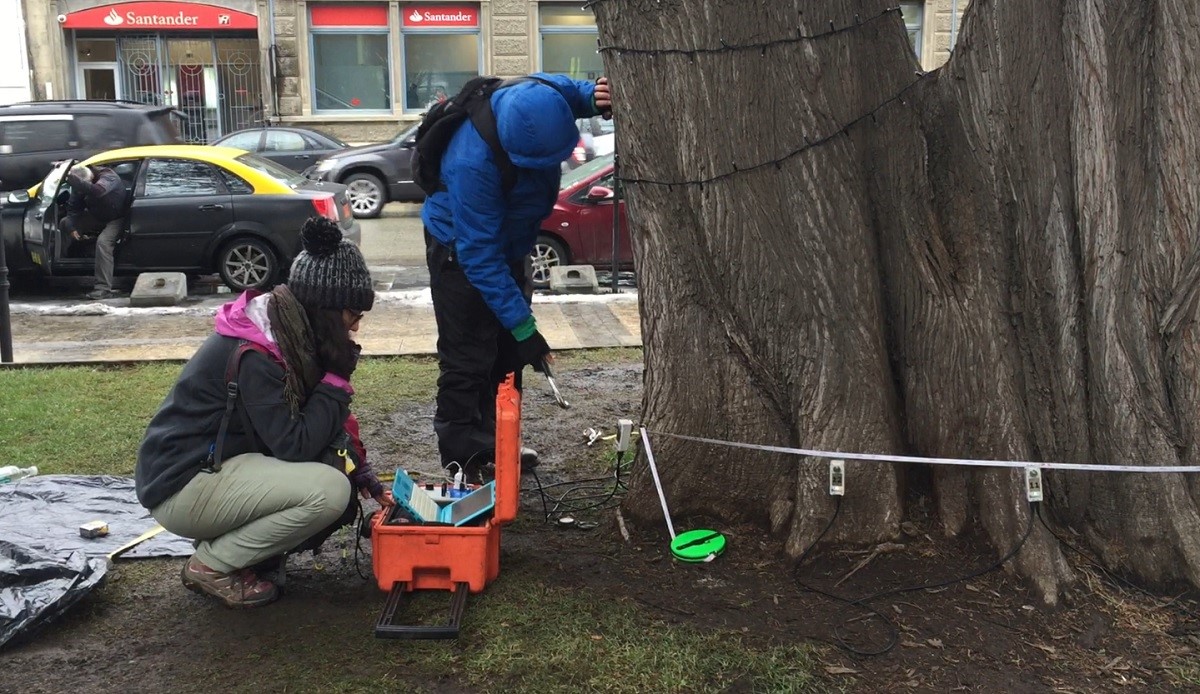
column 237, row 467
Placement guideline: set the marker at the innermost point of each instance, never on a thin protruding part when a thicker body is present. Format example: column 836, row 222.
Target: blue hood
column 535, row 125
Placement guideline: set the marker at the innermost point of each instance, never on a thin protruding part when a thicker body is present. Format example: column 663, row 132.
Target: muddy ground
column 144, row 633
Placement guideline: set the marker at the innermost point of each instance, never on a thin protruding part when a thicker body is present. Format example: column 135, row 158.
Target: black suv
column 35, row 134
column 374, row 175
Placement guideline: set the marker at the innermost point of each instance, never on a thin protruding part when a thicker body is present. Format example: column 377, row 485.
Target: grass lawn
column 526, row 635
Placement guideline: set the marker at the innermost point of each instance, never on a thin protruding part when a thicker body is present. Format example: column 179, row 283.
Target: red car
column 579, row 230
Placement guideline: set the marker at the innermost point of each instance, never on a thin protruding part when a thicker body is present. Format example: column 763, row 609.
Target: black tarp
column 36, row 587
column 45, row 566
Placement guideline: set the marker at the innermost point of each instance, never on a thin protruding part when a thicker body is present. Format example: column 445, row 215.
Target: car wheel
column 547, row 253
column 247, row 263
column 366, row 195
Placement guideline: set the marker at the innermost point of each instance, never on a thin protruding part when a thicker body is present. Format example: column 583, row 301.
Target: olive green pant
column 255, row 508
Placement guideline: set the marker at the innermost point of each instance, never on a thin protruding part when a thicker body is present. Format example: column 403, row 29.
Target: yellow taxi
column 195, row 209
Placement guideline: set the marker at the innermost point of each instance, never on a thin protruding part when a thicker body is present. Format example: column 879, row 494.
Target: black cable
column 759, row 46
column 841, row 642
column 1122, row 582
column 561, row 505
column 893, row 631
column 358, row 537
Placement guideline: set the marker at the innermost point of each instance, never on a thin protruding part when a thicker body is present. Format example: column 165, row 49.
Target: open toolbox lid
column 508, row 451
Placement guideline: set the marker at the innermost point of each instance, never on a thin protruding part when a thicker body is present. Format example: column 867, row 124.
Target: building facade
column 359, row 69
column 14, row 56
column 204, row 58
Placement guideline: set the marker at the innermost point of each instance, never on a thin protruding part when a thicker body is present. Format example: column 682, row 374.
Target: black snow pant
column 475, row 354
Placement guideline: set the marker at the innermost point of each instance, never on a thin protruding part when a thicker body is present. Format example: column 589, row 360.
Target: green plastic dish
column 696, row 546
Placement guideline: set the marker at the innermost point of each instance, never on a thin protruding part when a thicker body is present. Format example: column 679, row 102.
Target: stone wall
column 287, row 57
column 938, row 27
column 510, row 37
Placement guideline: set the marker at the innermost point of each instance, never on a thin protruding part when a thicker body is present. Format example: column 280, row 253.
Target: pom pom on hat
column 320, row 236
column 330, row 272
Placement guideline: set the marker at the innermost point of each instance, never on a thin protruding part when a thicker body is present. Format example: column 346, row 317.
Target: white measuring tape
column 882, row 458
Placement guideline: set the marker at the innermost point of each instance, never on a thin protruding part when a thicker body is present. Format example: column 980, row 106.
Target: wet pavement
column 55, row 325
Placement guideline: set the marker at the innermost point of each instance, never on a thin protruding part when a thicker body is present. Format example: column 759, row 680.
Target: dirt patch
column 599, row 396
column 143, row 632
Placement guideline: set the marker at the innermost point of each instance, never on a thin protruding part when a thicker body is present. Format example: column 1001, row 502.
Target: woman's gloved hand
column 344, row 361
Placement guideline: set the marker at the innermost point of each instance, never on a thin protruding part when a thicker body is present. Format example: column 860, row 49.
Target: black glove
column 366, row 480
column 533, row 350
column 344, row 362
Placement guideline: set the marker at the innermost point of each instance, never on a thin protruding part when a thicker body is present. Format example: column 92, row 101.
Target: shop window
column 914, row 24
column 568, row 41
column 351, row 65
column 96, row 50
column 441, row 48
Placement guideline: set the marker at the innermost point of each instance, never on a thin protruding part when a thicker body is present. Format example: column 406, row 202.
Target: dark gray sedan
column 294, row 148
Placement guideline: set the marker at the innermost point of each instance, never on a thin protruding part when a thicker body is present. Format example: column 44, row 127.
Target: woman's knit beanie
column 330, row 272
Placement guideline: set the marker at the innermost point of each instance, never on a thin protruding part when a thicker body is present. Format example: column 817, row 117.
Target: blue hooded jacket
column 536, row 124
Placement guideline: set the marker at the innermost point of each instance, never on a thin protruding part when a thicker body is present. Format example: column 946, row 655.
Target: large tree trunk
column 999, row 263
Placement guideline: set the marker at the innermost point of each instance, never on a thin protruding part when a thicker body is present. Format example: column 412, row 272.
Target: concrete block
column 509, row 66
column 502, row 7
column 574, row 279
column 159, row 289
column 510, row 26
column 285, row 26
column 505, row 45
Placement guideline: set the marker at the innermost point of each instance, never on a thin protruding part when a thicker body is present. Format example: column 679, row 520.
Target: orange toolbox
column 407, row 556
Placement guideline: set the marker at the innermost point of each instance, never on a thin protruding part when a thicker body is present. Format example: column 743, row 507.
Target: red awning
column 160, row 16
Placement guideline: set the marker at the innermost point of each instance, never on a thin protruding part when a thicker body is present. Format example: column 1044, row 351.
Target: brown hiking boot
column 239, row 589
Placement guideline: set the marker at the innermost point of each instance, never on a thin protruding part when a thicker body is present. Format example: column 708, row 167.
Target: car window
column 40, row 135
column 244, row 140
column 320, row 144
column 234, row 183
column 159, row 129
column 283, row 141
column 98, row 131
column 50, row 183
column 177, row 177
column 410, row 133
column 588, row 170
column 127, row 170
column 270, row 168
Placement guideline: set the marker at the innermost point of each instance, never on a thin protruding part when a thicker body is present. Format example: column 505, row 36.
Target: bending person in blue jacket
column 478, row 241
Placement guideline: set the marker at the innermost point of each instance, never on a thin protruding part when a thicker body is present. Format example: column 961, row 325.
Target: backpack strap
column 216, row 455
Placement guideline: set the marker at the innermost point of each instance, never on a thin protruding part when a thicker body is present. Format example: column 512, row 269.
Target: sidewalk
column 400, row 323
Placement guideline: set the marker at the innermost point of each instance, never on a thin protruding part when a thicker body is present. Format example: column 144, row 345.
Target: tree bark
column 996, row 260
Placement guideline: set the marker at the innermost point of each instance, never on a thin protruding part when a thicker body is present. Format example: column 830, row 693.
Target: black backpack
column 442, row 121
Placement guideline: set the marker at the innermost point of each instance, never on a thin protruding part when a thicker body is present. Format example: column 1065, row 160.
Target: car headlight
column 325, row 165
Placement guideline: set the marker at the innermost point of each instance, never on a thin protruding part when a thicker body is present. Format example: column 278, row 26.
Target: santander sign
column 160, row 15
column 440, row 16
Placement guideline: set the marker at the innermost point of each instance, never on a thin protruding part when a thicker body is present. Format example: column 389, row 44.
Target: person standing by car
column 232, row 457
column 99, row 206
column 478, row 240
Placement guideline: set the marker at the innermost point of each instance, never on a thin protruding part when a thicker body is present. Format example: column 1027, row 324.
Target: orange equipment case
column 410, row 557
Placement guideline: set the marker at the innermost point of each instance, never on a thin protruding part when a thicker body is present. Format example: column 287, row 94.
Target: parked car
column 595, row 139
column 374, row 175
column 295, row 148
column 34, row 135
column 195, row 209
column 579, row 230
